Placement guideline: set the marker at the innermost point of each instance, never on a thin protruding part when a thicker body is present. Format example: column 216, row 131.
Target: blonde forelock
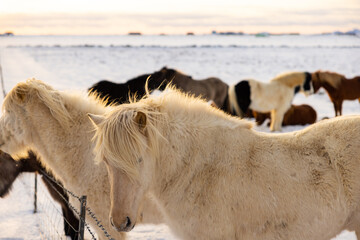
column 120, row 141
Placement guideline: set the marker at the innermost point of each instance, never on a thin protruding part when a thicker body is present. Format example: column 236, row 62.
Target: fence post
column 82, row 217
column 35, row 193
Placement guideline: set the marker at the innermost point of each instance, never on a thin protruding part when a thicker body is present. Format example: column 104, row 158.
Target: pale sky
column 177, row 17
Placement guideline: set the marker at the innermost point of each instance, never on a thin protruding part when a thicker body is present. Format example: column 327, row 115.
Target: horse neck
column 297, row 80
column 332, row 82
column 66, row 152
column 187, row 164
column 296, row 83
column 182, row 158
column 329, row 87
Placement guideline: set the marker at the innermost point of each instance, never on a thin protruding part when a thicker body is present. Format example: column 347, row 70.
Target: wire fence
column 58, row 222
column 53, row 222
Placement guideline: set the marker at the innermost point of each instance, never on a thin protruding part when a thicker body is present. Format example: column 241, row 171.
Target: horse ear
column 95, row 119
column 140, row 119
column 20, row 96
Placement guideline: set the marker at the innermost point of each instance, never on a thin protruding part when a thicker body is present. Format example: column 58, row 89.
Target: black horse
column 211, row 88
column 11, row 169
column 121, row 92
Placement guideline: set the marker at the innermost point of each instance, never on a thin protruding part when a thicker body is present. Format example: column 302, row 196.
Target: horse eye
column 140, row 160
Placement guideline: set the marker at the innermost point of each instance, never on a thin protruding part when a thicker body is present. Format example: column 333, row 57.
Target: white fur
column 275, row 96
column 63, row 144
column 214, row 177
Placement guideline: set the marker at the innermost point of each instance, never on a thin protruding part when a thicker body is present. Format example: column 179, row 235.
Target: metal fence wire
column 51, row 216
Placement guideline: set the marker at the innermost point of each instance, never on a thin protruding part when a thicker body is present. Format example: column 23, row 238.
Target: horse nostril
column 111, row 221
column 124, row 227
column 128, row 222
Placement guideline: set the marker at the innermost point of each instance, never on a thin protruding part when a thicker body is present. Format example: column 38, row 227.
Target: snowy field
column 78, row 62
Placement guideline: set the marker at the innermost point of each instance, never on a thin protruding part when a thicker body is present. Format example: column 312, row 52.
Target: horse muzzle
column 126, row 226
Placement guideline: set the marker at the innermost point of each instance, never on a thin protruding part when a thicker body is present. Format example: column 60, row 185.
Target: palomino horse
column 274, row 97
column 210, row 88
column 338, row 87
column 296, row 115
column 299, row 185
column 55, row 125
column 10, row 170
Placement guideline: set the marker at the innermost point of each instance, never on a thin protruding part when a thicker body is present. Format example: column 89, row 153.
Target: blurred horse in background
column 296, row 115
column 210, row 88
column 121, row 92
column 338, row 87
column 275, row 96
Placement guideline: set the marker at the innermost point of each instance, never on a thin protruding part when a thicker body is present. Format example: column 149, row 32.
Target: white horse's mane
column 120, row 142
column 58, row 102
column 291, row 79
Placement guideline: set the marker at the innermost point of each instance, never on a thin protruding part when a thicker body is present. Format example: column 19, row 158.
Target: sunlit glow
column 160, row 16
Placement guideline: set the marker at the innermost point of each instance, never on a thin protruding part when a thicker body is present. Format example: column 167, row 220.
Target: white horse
column 54, row 124
column 275, row 96
column 214, row 177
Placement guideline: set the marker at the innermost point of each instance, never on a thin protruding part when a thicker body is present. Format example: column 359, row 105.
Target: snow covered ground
column 75, row 65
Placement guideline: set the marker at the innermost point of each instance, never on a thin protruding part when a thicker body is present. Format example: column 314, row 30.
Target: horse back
column 351, row 88
column 296, row 115
column 210, row 88
column 113, row 92
column 300, row 115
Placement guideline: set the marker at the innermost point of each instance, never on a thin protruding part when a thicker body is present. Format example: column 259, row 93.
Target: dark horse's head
column 161, row 78
column 10, row 169
column 316, row 80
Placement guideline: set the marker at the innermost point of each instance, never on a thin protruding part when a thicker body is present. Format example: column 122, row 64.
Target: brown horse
column 11, row 169
column 338, row 87
column 211, row 88
column 296, row 115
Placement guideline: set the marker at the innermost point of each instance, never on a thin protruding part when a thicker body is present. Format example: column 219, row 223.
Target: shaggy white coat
column 214, row 177
column 56, row 127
